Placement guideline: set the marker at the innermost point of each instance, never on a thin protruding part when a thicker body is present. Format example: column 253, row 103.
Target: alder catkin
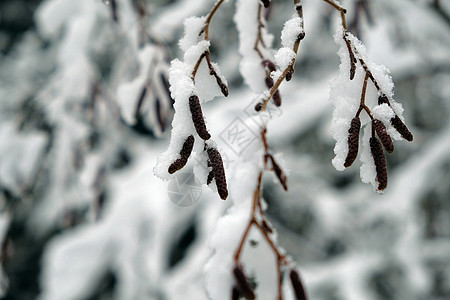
column 383, row 99
column 277, row 98
column 383, row 135
column 289, row 75
column 210, row 177
column 242, row 283
column 401, row 128
column 353, row 141
column 380, row 162
column 223, row 87
column 269, row 81
column 235, row 294
column 297, row 285
column 197, row 118
column 219, row 172
column 279, row 172
column 185, row 152
column 269, row 65
column 352, row 58
column 266, row 3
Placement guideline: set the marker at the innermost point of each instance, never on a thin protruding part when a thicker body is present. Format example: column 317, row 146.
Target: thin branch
column 290, row 68
column 206, row 35
column 206, row 54
column 210, row 16
column 362, row 104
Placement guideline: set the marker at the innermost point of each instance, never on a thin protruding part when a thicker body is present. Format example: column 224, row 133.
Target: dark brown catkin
column 210, row 177
column 242, row 283
column 223, row 87
column 352, row 58
column 353, row 141
column 380, row 162
column 383, row 135
column 266, row 3
column 401, row 128
column 297, row 285
column 197, row 118
column 383, row 99
column 235, row 294
column 219, row 172
column 277, row 98
column 185, row 152
column 269, row 81
column 289, row 75
column 269, row 65
column 279, row 172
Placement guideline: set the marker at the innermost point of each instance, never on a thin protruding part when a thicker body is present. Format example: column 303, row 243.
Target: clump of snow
column 291, row 31
column 383, row 113
column 250, row 65
column 284, row 57
column 193, row 26
column 368, row 172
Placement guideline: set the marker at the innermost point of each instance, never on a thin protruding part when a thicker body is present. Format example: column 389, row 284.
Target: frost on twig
column 193, row 81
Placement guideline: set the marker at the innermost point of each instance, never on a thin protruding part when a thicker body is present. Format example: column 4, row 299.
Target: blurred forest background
column 83, row 217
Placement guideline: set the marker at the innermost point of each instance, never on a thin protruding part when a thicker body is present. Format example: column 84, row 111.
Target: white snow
column 291, row 30
column 284, row 57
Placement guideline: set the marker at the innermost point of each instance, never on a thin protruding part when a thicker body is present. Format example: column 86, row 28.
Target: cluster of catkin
column 244, row 288
column 215, row 162
column 379, row 139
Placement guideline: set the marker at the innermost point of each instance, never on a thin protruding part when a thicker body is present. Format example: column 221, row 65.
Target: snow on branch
column 383, row 118
column 193, row 81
